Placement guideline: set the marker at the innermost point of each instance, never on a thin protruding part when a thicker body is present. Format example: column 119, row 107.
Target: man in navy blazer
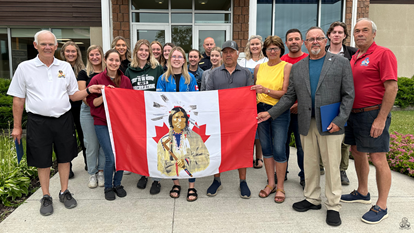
column 317, row 80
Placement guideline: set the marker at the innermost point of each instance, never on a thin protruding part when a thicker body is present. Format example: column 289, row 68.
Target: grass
column 402, row 122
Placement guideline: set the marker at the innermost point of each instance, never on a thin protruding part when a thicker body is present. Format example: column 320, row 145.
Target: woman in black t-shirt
column 71, row 53
column 95, row 156
column 120, row 44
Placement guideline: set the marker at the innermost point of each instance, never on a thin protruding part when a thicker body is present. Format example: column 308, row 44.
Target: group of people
column 291, row 88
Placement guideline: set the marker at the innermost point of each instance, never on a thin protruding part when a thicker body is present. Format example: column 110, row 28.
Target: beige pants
column 329, row 148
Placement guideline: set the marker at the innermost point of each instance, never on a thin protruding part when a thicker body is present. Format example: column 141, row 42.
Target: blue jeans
column 95, row 156
column 293, row 127
column 105, row 142
column 273, row 134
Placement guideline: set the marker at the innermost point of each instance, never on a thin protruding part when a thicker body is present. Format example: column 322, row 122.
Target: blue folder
column 328, row 113
column 19, row 150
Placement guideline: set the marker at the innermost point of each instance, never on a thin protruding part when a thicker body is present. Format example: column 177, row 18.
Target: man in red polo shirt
column 294, row 43
column 375, row 79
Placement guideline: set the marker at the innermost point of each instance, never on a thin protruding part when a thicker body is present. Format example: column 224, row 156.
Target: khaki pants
column 344, row 159
column 329, row 149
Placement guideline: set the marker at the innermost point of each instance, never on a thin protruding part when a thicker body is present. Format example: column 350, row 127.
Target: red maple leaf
column 202, row 132
column 161, row 131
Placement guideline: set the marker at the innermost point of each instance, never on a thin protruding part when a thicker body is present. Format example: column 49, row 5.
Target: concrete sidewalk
column 227, row 212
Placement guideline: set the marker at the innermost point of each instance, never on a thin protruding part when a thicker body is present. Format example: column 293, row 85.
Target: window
column 276, row 17
column 4, row 54
column 22, row 42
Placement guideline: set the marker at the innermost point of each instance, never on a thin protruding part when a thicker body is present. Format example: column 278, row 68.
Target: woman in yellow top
column 271, row 83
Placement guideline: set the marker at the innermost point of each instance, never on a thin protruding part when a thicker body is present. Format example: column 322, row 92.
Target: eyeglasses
column 177, row 57
column 277, row 49
column 319, row 39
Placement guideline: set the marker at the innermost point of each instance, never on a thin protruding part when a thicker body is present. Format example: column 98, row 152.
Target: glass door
column 219, row 33
column 161, row 33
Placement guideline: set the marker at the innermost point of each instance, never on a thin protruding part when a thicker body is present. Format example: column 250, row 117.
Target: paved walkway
column 227, row 212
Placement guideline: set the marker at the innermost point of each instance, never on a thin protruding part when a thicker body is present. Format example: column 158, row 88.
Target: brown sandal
column 273, row 189
column 280, row 197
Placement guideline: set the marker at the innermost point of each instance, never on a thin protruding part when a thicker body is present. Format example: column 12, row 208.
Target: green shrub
column 405, row 95
column 14, row 178
column 6, row 107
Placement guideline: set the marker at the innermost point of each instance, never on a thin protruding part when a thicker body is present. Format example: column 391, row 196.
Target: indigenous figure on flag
column 182, row 148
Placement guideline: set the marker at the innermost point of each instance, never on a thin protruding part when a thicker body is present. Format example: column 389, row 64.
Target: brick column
column 120, row 19
column 362, row 12
column 241, row 23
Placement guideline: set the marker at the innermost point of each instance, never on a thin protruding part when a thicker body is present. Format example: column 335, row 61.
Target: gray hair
column 247, row 51
column 36, row 36
column 374, row 26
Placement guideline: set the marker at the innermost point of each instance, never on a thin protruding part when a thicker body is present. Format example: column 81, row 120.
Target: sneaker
column 101, row 179
column 333, row 218
column 67, row 199
column 46, row 208
column 155, row 188
column 142, row 183
column 120, row 191
column 375, row 215
column 93, row 183
column 355, row 196
column 214, row 188
column 109, row 194
column 344, row 178
column 303, row 206
column 127, row 173
column 244, row 190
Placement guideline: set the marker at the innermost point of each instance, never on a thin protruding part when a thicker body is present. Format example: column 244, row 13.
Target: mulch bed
column 5, row 211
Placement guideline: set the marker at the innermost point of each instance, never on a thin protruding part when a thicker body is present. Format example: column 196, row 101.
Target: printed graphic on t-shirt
column 143, row 82
column 365, row 62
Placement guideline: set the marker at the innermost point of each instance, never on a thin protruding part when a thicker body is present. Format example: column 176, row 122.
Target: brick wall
column 120, row 19
column 241, row 23
column 362, row 12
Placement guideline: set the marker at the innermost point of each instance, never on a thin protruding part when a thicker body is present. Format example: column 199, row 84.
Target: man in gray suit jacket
column 317, row 80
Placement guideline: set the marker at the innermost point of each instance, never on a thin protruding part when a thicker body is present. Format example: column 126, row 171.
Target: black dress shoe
column 333, row 218
column 305, row 205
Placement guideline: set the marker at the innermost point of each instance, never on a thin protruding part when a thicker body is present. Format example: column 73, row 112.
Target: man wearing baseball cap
column 229, row 75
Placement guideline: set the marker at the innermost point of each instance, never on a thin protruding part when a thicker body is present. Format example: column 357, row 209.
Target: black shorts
column 45, row 132
column 358, row 132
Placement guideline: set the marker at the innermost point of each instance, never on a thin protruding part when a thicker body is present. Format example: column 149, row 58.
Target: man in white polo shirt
column 45, row 85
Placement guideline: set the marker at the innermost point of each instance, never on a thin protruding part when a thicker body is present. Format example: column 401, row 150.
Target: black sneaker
column 142, row 183
column 46, row 208
column 120, row 191
column 67, row 199
column 109, row 194
column 333, row 218
column 344, row 178
column 305, row 205
column 155, row 188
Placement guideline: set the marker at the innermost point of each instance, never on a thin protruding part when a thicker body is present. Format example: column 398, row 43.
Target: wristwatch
column 87, row 91
column 268, row 91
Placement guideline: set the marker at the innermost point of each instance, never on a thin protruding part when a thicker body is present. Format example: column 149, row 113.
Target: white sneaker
column 93, row 183
column 101, row 179
column 127, row 173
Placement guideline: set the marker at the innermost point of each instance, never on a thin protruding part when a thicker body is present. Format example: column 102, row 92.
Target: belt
column 367, row 109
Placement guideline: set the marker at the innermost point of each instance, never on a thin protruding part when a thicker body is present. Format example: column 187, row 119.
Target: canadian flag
column 181, row 134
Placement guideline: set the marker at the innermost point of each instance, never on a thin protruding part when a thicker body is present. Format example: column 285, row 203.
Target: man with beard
column 317, row 80
column 294, row 43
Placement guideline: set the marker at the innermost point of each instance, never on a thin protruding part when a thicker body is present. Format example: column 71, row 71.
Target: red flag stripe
column 238, row 127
